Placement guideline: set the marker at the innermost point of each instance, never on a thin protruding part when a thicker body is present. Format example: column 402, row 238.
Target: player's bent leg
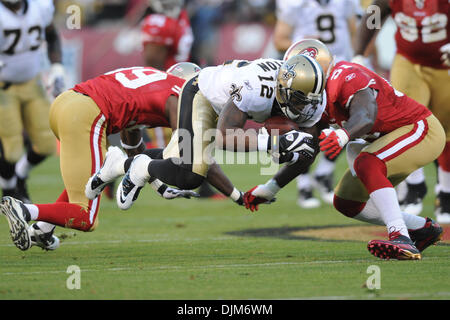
column 112, row 168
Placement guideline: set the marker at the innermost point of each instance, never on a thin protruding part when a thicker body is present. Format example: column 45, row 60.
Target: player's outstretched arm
column 363, row 110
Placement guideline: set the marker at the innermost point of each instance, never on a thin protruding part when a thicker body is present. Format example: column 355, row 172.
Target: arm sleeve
column 349, row 83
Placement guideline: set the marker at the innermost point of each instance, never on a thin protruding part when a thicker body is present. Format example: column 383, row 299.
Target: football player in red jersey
column 404, row 136
column 166, row 34
column 421, row 70
column 82, row 118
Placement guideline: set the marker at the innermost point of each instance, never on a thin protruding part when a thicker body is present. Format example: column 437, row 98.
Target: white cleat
column 306, row 200
column 18, row 216
column 442, row 218
column 47, row 241
column 111, row 169
column 133, row 181
column 413, row 208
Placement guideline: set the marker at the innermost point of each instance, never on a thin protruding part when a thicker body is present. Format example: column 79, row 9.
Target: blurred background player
column 24, row 105
column 334, row 23
column 167, row 39
column 421, row 70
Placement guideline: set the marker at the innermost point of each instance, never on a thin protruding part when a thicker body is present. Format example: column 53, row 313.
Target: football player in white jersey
column 24, row 104
column 215, row 105
column 334, row 23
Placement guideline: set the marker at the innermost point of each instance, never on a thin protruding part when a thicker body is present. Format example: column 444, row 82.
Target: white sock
column 371, row 215
column 304, row 182
column 23, row 167
column 444, row 180
column 325, row 167
column 33, row 209
column 385, row 200
column 416, row 177
column 45, row 226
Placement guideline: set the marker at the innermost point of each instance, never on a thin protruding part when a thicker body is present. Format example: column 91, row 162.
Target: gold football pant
column 25, row 106
column 428, row 86
column 403, row 151
column 193, row 141
column 80, row 127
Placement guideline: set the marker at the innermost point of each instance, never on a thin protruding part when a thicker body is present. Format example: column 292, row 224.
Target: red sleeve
column 158, row 29
column 346, row 80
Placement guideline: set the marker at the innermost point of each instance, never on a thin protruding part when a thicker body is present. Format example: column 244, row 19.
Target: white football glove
column 445, row 58
column 56, row 82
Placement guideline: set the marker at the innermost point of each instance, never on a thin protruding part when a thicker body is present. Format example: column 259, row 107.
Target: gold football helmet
column 314, row 49
column 300, row 85
column 185, row 70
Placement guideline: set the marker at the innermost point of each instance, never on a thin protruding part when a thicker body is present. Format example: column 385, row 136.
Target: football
column 280, row 123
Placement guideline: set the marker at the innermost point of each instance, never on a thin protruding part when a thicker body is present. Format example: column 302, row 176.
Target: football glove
column 169, row 193
column 332, row 142
column 56, row 82
column 263, row 193
column 445, row 58
column 293, row 141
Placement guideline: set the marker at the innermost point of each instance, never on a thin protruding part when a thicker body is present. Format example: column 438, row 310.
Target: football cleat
column 22, row 191
column 426, row 236
column 324, row 185
column 397, row 247
column 412, row 203
column 133, row 181
column 442, row 211
column 18, row 216
column 47, row 241
column 306, row 199
column 111, row 169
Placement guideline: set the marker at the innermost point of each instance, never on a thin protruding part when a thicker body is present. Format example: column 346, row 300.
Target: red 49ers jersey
column 422, row 29
column 132, row 96
column 176, row 34
column 394, row 108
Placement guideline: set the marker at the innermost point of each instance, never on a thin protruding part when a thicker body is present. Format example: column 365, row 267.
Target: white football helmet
column 170, row 8
column 300, row 86
column 184, row 70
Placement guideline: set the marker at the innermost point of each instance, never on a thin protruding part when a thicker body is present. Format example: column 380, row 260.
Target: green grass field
column 203, row 249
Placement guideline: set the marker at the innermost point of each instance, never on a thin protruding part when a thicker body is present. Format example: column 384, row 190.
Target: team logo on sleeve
column 350, row 77
column 235, row 92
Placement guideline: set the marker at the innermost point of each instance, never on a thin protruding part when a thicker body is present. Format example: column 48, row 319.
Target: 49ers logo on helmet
column 310, row 52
